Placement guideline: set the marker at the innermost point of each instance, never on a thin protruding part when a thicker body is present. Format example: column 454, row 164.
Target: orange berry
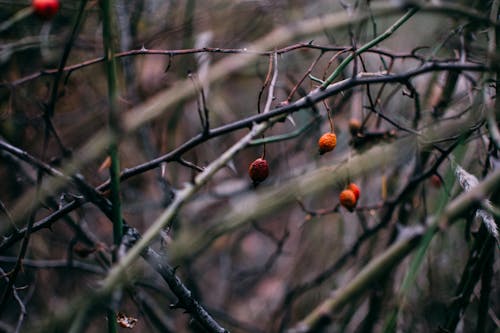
column 353, row 187
column 347, row 199
column 45, row 9
column 354, row 126
column 258, row 170
column 327, row 142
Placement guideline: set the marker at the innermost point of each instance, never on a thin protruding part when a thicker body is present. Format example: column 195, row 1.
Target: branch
column 117, row 275
column 96, row 144
column 367, row 46
column 157, row 105
column 375, row 269
column 186, row 300
column 305, row 102
column 321, row 315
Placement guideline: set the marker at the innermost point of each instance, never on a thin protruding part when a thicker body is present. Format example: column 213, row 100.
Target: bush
column 127, row 133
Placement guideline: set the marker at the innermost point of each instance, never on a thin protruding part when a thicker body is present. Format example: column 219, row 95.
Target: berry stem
column 273, row 64
column 330, row 118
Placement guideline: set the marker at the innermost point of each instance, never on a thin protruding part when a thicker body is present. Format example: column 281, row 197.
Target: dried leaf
column 465, row 179
column 488, row 220
column 468, row 181
column 125, row 321
column 105, row 164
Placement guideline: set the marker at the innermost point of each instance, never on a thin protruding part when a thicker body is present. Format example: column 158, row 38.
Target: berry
column 354, row 126
column 327, row 143
column 355, row 189
column 258, row 170
column 45, row 9
column 347, row 199
column 436, row 181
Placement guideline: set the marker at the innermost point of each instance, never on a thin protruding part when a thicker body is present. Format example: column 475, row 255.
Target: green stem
column 112, row 326
column 367, row 46
column 114, row 172
column 285, row 136
column 114, row 126
column 114, row 129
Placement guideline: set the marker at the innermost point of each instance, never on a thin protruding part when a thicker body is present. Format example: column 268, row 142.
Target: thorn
column 163, row 167
column 175, row 306
column 169, row 63
column 232, row 167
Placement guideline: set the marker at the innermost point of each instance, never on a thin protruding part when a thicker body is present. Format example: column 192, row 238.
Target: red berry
column 327, row 142
column 45, row 9
column 258, row 170
column 347, row 199
column 355, row 189
column 436, row 181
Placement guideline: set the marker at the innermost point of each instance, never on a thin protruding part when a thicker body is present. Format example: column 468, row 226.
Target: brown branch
column 302, row 103
column 172, row 53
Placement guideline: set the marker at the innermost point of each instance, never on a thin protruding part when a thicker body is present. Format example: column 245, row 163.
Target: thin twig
column 321, row 315
column 172, row 53
column 368, row 45
column 266, row 81
column 22, row 307
column 117, row 276
column 56, row 264
column 18, row 16
column 306, row 74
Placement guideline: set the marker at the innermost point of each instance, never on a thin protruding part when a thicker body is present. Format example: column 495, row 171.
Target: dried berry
column 327, row 142
column 355, row 189
column 258, row 170
column 45, row 9
column 347, row 199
